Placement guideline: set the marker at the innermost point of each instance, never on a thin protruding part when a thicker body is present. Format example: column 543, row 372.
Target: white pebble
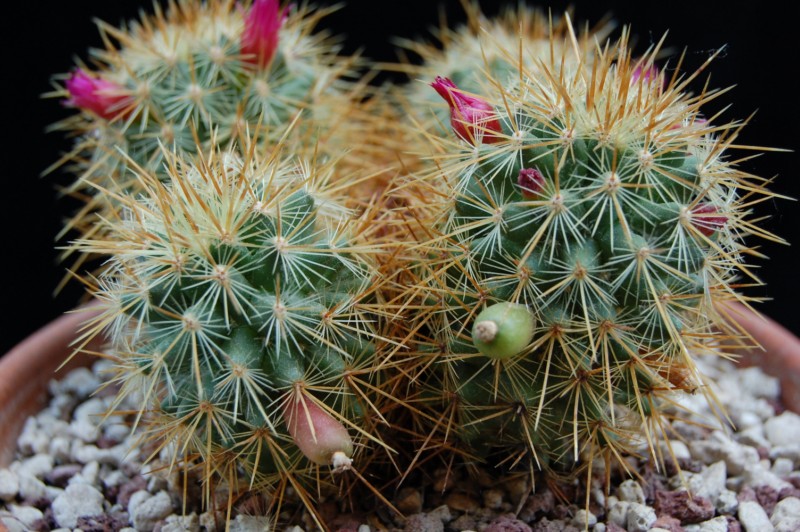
column 791, row 451
column 91, row 410
column 618, row 512
column 783, row 429
column 85, row 453
column 712, row 480
column 26, row 515
column 727, row 503
column 786, row 515
column 156, row 482
column 441, row 512
column 81, row 382
column 745, row 410
column 9, row 484
column 51, row 492
column 630, row 491
column 12, row 524
column 114, row 478
column 782, row 466
column 31, row 488
column 757, row 474
column 37, row 466
column 60, row 449
column 52, row 426
column 116, row 431
column 758, row 383
column 84, row 429
column 60, row 406
column 76, row 501
column 181, row 523
column 32, row 440
column 146, row 510
column 720, row 447
column 753, row 517
column 88, row 475
column 249, row 523
column 745, row 420
column 640, row 517
column 679, row 450
column 753, row 436
column 584, row 519
column 718, row 524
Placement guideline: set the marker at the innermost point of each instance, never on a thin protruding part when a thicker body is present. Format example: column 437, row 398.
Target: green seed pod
column 503, row 330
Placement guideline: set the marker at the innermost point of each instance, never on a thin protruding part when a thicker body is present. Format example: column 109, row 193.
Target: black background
column 41, row 38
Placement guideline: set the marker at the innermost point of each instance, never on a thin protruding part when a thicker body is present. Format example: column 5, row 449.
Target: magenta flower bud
column 531, row 181
column 647, row 75
column 261, row 27
column 473, row 119
column 705, row 218
column 104, row 98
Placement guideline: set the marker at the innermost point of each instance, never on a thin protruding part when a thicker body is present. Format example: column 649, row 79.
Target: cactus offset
column 578, row 227
column 237, row 302
column 202, row 75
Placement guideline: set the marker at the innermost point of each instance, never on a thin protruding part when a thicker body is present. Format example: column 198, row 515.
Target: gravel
column 74, row 472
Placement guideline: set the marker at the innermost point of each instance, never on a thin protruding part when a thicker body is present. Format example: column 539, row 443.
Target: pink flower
column 261, row 27
column 705, row 218
column 104, row 98
column 473, row 119
column 647, row 75
column 531, row 181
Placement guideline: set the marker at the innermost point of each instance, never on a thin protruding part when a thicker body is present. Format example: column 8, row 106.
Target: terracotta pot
column 779, row 354
column 26, row 370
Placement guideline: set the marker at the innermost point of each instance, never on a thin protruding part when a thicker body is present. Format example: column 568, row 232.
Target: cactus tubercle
column 503, row 330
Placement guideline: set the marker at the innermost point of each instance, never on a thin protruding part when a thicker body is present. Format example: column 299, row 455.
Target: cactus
column 577, row 227
column 238, row 300
column 202, row 75
column 534, row 292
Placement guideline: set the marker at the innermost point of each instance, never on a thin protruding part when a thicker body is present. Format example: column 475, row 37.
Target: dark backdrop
column 760, row 41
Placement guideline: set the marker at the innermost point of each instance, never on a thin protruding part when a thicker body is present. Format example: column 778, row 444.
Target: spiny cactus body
column 238, row 302
column 578, row 226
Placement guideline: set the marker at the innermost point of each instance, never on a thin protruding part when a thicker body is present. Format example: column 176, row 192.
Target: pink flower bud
column 261, row 27
column 104, row 98
column 473, row 119
column 320, row 437
column 647, row 75
column 705, row 218
column 531, row 181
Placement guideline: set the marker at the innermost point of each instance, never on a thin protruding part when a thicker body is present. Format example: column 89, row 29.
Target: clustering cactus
column 531, row 292
column 578, row 226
